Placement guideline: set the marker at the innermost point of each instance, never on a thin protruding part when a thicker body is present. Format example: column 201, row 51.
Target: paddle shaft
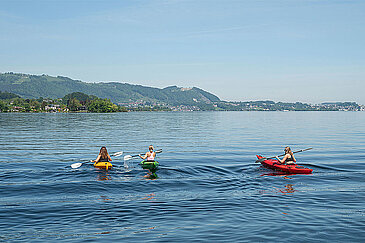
column 117, row 154
column 128, row 157
column 302, row 150
column 157, row 151
column 77, row 165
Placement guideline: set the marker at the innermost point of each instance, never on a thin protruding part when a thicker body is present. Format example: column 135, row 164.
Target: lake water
column 209, row 187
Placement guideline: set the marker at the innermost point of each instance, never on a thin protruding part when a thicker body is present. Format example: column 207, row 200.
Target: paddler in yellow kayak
column 288, row 157
column 103, row 156
column 150, row 155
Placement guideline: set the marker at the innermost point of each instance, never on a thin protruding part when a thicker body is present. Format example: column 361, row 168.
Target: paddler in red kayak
column 103, row 156
column 150, row 155
column 288, row 157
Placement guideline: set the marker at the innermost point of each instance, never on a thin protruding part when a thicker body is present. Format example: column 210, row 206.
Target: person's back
column 289, row 159
column 150, row 155
column 103, row 156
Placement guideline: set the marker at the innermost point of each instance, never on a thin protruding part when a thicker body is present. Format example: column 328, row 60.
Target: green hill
column 35, row 86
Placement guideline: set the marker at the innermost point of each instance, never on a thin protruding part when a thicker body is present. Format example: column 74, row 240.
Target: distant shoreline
column 82, row 112
column 116, row 96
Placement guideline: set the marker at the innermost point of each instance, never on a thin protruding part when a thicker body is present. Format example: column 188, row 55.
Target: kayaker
column 150, row 155
column 288, row 157
column 103, row 156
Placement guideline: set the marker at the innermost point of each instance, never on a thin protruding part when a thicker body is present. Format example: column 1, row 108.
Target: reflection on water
column 151, row 175
column 149, row 196
column 145, row 230
column 280, row 173
column 288, row 189
column 103, row 233
column 275, row 173
column 105, row 199
column 103, row 175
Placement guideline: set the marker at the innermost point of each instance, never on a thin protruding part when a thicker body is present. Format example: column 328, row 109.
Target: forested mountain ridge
column 35, row 86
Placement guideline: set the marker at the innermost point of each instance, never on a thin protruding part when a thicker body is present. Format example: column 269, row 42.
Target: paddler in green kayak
column 150, row 155
column 288, row 157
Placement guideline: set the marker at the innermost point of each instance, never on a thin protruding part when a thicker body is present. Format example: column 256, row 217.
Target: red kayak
column 291, row 169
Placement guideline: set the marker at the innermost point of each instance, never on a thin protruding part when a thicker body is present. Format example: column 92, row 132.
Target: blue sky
column 281, row 50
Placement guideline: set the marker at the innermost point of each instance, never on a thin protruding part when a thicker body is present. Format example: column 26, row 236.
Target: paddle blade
column 117, row 154
column 76, row 165
column 128, row 157
column 260, row 160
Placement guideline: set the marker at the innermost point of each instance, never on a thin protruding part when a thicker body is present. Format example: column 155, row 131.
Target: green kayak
column 150, row 165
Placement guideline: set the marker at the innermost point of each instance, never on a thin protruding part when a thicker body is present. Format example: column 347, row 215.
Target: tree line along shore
column 80, row 102
column 74, row 102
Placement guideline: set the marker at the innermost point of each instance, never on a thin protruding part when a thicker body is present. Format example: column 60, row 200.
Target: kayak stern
column 103, row 165
column 150, row 165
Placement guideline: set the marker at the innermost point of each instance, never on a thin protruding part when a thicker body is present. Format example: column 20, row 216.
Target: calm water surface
column 209, row 187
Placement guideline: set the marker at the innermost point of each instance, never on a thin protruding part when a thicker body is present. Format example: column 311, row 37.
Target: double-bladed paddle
column 260, row 160
column 128, row 157
column 77, row 165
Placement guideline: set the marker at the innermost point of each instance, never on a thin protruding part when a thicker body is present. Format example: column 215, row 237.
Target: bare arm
column 283, row 160
column 143, row 157
column 97, row 159
column 110, row 159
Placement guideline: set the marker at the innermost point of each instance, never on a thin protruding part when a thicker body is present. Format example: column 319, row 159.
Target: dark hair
column 287, row 148
column 103, row 152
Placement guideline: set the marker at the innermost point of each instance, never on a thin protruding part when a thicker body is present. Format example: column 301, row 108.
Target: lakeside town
column 255, row 106
column 80, row 102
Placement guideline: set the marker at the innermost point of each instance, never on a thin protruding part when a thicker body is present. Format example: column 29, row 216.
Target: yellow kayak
column 103, row 165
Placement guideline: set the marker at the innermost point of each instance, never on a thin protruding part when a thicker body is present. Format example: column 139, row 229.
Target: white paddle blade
column 76, row 165
column 127, row 157
column 117, row 154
